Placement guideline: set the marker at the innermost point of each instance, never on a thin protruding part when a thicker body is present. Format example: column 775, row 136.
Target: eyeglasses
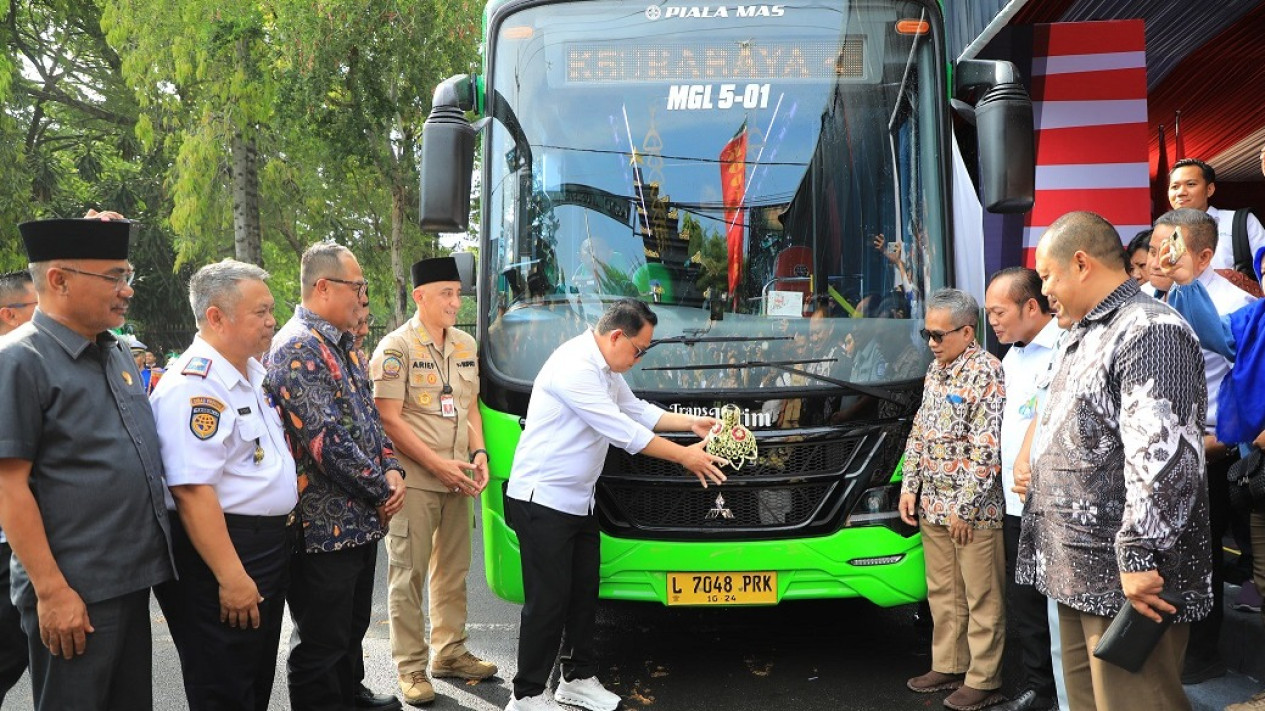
column 638, row 351
column 121, row 280
column 362, row 286
column 19, row 305
column 938, row 336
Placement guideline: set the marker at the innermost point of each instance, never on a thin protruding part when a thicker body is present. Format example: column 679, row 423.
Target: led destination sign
column 706, row 61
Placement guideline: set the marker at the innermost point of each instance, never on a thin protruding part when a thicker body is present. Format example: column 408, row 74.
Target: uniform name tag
column 447, row 407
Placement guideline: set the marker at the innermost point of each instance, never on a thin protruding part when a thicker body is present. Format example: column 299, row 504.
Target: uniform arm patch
column 204, row 415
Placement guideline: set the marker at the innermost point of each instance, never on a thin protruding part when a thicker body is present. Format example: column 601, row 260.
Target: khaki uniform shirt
column 408, row 366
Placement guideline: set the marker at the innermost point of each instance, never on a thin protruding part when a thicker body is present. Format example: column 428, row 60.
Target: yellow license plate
column 755, row 588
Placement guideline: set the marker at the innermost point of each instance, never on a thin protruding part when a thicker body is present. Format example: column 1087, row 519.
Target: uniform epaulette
column 197, row 366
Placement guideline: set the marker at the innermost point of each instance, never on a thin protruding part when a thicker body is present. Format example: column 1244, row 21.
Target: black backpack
column 1242, row 249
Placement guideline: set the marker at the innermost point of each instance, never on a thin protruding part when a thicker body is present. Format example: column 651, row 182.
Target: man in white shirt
column 232, row 482
column 1020, row 316
column 1199, row 232
column 580, row 406
column 1191, row 183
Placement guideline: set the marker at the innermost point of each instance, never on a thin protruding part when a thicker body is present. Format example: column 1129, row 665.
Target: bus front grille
column 797, row 486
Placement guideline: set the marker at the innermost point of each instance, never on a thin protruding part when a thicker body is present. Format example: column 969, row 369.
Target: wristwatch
column 484, row 452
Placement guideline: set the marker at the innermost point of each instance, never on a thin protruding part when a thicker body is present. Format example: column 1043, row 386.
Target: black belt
column 243, row 521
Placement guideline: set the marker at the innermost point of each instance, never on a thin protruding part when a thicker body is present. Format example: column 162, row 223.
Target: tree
column 68, row 142
column 202, row 70
column 361, row 73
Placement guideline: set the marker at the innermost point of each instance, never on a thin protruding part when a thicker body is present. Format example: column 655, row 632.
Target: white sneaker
column 542, row 702
column 587, row 693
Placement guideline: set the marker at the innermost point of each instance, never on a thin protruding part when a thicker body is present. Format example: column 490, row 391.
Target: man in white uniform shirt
column 580, row 406
column 232, row 481
column 1199, row 232
column 1020, row 316
column 1191, row 183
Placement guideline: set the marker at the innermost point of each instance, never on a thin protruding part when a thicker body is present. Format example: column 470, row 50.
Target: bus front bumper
column 870, row 562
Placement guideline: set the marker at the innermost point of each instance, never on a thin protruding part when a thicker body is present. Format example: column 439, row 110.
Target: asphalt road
column 818, row 656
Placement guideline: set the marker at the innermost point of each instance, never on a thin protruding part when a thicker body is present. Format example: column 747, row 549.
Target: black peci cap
column 435, row 269
column 46, row 240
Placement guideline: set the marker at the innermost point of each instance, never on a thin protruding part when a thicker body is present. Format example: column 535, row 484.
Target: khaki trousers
column 1093, row 684
column 966, row 590
column 430, row 535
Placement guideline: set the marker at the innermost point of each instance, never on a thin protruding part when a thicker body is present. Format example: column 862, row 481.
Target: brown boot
column 934, row 681
column 968, row 698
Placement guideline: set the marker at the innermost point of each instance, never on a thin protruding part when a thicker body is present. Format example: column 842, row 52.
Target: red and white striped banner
column 1089, row 100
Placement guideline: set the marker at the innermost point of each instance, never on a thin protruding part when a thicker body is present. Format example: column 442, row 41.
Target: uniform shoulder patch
column 391, row 367
column 204, row 416
column 197, row 366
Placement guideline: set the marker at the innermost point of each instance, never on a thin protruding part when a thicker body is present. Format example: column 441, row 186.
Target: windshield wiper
column 788, row 366
column 691, row 340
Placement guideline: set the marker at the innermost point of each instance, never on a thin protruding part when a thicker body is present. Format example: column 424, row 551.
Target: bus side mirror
column 447, row 163
column 466, row 269
column 1003, row 121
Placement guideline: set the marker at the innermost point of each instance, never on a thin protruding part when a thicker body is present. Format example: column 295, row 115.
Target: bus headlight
column 878, row 507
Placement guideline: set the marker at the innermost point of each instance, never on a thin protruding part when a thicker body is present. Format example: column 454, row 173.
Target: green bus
column 776, row 179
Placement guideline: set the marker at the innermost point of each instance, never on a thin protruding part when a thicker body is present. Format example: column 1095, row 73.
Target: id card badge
column 447, row 407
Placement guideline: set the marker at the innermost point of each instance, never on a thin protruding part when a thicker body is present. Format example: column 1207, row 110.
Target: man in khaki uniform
column 425, row 383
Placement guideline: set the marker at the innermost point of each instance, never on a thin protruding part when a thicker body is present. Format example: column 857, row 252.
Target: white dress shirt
column 578, row 409
column 1024, row 367
column 1223, row 258
column 1227, row 298
column 210, row 428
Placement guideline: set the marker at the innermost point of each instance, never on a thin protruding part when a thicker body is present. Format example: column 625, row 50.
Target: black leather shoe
column 1029, row 700
column 366, row 699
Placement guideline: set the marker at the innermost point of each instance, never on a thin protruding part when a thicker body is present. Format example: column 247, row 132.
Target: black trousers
column 1205, row 634
column 561, row 554
column 331, row 600
column 228, row 668
column 13, row 652
column 115, row 671
column 1026, row 616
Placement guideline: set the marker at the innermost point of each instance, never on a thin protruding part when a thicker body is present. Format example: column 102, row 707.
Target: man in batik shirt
column 350, row 484
column 1117, row 508
column 952, row 487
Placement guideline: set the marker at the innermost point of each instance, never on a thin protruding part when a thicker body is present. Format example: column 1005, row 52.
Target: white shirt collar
column 227, row 374
column 1048, row 337
column 595, row 353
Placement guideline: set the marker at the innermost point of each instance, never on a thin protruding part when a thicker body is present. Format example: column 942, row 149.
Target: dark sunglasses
column 937, row 336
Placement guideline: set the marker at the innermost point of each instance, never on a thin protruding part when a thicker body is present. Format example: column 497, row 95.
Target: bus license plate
column 758, row 588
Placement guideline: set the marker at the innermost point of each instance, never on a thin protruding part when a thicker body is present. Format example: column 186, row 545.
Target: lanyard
column 438, row 356
column 447, row 406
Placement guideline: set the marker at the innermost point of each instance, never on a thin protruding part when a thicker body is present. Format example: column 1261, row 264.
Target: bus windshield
column 769, row 177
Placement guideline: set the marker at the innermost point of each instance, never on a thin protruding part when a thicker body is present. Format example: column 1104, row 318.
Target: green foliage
column 132, row 105
column 709, row 250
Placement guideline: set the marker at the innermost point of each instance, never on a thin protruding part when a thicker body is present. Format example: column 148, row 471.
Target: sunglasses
column 937, row 336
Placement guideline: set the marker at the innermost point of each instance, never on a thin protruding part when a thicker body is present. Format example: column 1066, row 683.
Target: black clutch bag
column 1130, row 638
